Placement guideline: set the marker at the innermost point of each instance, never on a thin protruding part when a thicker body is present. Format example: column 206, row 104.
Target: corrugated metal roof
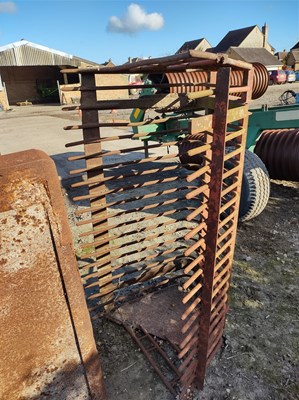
column 25, row 53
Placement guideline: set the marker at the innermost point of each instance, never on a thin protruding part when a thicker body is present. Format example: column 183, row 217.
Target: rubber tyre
column 190, row 143
column 255, row 187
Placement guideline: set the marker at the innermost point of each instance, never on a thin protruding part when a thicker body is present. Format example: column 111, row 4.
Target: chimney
column 265, row 31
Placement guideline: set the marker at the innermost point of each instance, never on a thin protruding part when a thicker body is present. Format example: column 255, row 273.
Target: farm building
column 31, row 72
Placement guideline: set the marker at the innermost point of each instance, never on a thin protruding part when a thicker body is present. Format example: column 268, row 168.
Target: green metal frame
column 279, row 117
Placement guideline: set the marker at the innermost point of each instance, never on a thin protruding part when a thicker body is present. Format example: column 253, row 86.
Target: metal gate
column 159, row 235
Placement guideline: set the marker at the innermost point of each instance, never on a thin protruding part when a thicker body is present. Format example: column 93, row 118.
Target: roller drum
column 279, row 150
column 260, row 80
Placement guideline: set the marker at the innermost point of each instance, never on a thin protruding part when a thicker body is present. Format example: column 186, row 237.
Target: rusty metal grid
column 158, row 231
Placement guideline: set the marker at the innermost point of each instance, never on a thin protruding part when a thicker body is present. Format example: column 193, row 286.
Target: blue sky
column 99, row 30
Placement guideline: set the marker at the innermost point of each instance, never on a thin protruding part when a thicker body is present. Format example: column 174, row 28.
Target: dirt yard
column 260, row 356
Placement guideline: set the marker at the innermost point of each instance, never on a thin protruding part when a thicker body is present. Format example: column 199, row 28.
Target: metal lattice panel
column 160, row 235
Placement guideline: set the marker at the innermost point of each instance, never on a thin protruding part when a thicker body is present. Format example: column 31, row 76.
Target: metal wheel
column 288, row 97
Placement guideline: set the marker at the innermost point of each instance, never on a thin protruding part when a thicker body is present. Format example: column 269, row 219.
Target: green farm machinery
column 272, row 146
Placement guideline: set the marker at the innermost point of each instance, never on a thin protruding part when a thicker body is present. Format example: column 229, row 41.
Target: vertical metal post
column 94, row 163
column 214, row 202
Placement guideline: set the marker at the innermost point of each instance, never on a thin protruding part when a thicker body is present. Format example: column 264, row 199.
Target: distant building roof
column 295, row 54
column 296, row 47
column 281, row 55
column 25, row 53
column 108, row 63
column 257, row 54
column 194, row 45
column 232, row 39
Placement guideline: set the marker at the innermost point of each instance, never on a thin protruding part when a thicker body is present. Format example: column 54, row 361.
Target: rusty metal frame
column 37, row 169
column 201, row 254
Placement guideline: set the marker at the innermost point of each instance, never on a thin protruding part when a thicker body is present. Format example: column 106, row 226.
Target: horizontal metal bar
column 125, row 163
column 197, row 211
column 228, row 204
column 123, row 265
column 199, row 150
column 96, row 180
column 138, row 241
column 154, row 267
column 229, row 218
column 200, row 243
column 131, row 210
column 228, row 232
column 106, row 240
column 130, row 86
column 127, row 187
column 192, row 293
column 190, row 309
column 201, row 227
column 122, row 151
column 230, row 172
column 232, row 154
column 96, row 230
column 192, row 319
column 129, row 200
column 192, row 278
column 198, row 173
column 229, row 189
column 188, row 347
column 220, row 286
column 231, row 136
column 197, row 261
column 225, row 270
column 198, row 191
column 222, row 261
column 224, row 247
column 190, row 335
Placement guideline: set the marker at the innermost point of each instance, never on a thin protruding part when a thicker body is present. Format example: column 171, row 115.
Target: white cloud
column 135, row 20
column 8, row 7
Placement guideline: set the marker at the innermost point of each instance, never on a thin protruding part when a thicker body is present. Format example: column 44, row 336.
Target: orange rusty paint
column 46, row 341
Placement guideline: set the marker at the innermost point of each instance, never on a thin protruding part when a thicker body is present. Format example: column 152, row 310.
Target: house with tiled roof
column 250, row 37
column 281, row 55
column 293, row 57
column 249, row 44
column 198, row 44
column 255, row 55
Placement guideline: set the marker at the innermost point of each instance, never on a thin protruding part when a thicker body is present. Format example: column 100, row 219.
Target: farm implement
column 272, row 144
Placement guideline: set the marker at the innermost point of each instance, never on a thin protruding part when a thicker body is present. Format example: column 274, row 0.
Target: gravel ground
column 259, row 358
